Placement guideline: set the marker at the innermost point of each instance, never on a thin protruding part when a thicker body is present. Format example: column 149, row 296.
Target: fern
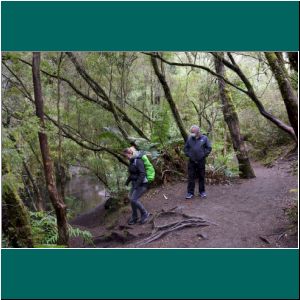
column 44, row 229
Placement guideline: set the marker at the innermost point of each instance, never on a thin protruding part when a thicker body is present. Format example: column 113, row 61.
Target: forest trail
column 248, row 213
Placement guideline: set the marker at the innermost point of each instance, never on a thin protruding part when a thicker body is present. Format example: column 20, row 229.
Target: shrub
column 44, row 229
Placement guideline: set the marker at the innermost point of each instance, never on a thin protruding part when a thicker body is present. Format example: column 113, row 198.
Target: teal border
column 160, row 273
column 139, row 274
column 120, row 26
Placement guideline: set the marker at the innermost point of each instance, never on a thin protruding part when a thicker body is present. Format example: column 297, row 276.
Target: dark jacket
column 137, row 172
column 197, row 149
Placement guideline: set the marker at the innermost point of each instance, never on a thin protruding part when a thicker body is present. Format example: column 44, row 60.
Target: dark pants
column 196, row 169
column 136, row 205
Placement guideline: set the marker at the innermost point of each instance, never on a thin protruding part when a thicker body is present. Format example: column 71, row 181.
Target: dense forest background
column 66, row 111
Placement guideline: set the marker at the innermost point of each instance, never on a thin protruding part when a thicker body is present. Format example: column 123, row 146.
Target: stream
column 83, row 192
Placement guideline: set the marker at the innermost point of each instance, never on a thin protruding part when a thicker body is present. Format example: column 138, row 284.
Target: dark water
column 84, row 192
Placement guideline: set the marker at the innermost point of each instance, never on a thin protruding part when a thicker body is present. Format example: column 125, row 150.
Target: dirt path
column 244, row 212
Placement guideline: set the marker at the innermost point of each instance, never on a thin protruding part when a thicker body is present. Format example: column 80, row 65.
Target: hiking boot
column 202, row 195
column 189, row 196
column 144, row 218
column 132, row 221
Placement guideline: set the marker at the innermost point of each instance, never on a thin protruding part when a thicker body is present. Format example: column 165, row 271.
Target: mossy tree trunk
column 56, row 199
column 288, row 94
column 39, row 203
column 232, row 121
column 252, row 95
column 15, row 219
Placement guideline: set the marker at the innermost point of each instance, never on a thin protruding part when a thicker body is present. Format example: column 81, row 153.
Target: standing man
column 196, row 148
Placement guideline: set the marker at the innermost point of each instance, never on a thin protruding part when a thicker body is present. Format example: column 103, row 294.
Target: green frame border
column 134, row 26
column 140, row 274
column 147, row 26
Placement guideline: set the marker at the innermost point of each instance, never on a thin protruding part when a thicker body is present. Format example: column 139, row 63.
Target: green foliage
column 221, row 163
column 294, row 168
column 44, row 229
column 49, row 246
column 11, row 179
column 225, row 165
column 271, row 156
column 292, row 209
column 110, row 136
column 10, row 182
column 161, row 126
column 4, row 241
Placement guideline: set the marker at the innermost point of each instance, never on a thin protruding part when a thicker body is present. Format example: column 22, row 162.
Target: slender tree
column 102, row 94
column 293, row 58
column 101, row 99
column 232, row 121
column 39, row 203
column 38, row 197
column 288, row 95
column 253, row 96
column 60, row 168
column 250, row 92
column 161, row 77
column 56, row 199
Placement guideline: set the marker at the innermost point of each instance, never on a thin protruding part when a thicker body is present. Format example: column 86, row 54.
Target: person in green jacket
column 139, row 182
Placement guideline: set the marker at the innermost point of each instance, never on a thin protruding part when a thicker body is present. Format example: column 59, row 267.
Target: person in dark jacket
column 138, row 179
column 196, row 148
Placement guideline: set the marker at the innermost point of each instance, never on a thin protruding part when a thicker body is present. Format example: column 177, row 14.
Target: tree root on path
column 115, row 236
column 123, row 235
column 160, row 231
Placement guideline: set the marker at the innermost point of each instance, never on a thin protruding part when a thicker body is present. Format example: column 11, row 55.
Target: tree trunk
column 55, row 197
column 252, row 95
column 60, row 168
column 232, row 121
column 38, row 197
column 225, row 142
column 114, row 111
column 169, row 98
column 39, row 204
column 15, row 219
column 288, row 95
column 113, row 107
column 249, row 92
column 102, row 101
column 293, row 58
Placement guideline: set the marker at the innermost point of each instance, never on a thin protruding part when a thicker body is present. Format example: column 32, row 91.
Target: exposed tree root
column 122, row 237
column 162, row 230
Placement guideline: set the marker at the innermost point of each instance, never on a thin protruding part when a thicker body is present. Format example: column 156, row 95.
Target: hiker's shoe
column 202, row 195
column 132, row 221
column 189, row 196
column 145, row 218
